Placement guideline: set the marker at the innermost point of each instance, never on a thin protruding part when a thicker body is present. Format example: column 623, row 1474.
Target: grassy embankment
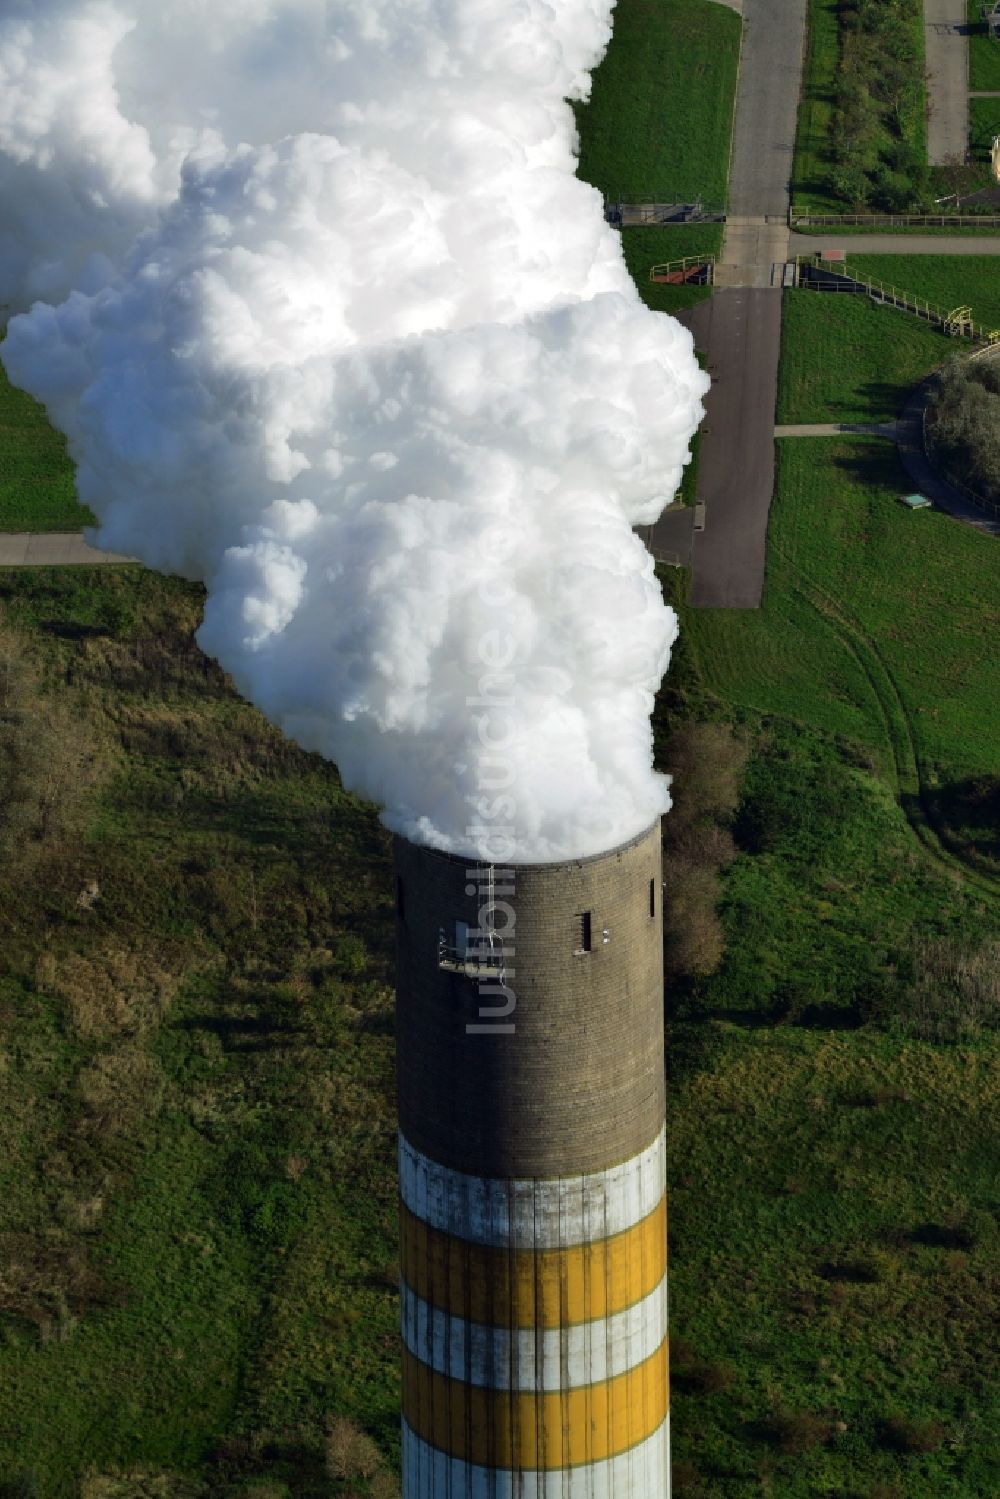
column 946, row 280
column 36, row 476
column 830, row 1134
column 843, row 358
column 812, row 163
column 196, row 1145
column 197, row 1141
column 658, row 125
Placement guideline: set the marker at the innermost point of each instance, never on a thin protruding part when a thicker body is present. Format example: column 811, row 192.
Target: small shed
column 916, row 502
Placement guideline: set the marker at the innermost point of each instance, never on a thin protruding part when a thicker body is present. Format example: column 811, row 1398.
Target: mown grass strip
column 813, row 163
column 658, row 123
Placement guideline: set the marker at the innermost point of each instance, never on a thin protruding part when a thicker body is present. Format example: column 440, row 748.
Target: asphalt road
column 894, row 244
column 51, row 549
column 946, row 49
column 767, row 102
column 740, row 331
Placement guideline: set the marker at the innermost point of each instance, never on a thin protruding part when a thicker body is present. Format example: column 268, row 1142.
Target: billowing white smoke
column 373, row 370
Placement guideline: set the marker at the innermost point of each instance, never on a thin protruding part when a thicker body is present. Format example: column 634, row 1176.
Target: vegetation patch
column 964, row 423
column 659, row 120
column 37, row 488
column 813, row 163
column 846, row 359
column 862, row 135
column 197, row 1261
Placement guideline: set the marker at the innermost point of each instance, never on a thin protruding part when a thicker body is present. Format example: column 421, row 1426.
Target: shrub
column 706, row 761
column 945, row 991
column 964, row 424
column 796, row 1432
column 350, row 1452
column 904, row 1435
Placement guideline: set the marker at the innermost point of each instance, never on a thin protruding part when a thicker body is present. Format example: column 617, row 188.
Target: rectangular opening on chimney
column 652, row 897
column 585, row 933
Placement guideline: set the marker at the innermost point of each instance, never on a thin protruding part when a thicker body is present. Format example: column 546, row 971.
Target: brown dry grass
column 116, row 991
column 350, row 1451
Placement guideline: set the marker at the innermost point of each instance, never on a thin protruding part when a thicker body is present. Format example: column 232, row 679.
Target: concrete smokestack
column 533, row 1206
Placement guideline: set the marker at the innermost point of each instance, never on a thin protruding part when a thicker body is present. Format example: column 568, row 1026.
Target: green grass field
column 37, row 491
column 984, row 54
column 811, row 166
column 946, row 280
column 659, row 120
column 845, row 359
column 196, row 1143
column 829, row 1174
column 196, row 1149
column 861, row 595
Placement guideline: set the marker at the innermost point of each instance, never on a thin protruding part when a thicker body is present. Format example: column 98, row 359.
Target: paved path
column 767, row 102
column 51, row 549
column 894, row 244
column 831, row 429
column 985, row 93
column 946, row 48
column 740, row 331
column 739, row 328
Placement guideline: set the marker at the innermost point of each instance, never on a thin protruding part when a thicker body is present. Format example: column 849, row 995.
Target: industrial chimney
column 532, row 1183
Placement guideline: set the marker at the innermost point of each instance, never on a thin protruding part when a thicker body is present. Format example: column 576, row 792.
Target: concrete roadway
column 51, row 549
column 894, row 244
column 739, row 328
column 767, row 104
column 946, row 48
column 740, row 331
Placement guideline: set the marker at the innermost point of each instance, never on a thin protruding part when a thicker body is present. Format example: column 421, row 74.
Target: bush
column 878, row 106
column 904, row 1435
column 796, row 1432
column 945, row 991
column 350, row 1452
column 706, row 762
column 964, row 424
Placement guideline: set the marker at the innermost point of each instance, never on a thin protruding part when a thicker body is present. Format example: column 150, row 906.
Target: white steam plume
column 344, row 337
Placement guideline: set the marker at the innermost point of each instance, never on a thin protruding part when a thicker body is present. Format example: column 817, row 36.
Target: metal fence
column 686, row 270
column 662, row 211
column 802, row 218
column 957, row 322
